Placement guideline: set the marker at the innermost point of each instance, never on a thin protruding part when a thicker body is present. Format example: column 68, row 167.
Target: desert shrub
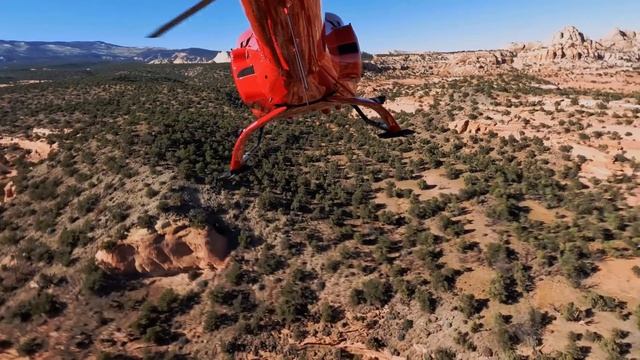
column 30, row 346
column 10, row 238
column 329, row 313
column 375, row 343
column 150, row 192
column 571, row 312
column 531, row 330
column 468, row 305
column 158, row 334
column 636, row 270
column 294, row 301
column 333, row 265
column 43, row 303
column 96, row 280
column 463, row 339
column 573, row 351
column 356, row 297
column 592, row 336
column 239, row 299
column 234, row 273
column 244, row 239
column 119, row 212
column 46, row 221
column 269, row 262
column 602, row 302
column 613, row 348
column 154, row 320
column 377, row 292
column 452, row 173
column 496, row 253
column 33, row 250
column 44, row 190
column 574, row 265
column 428, row 303
column 504, row 210
column 442, row 353
column 502, row 288
column 146, row 221
column 71, row 238
column 87, row 204
column 215, row 320
column 522, row 277
column 450, row 227
column 198, row 218
column 443, row 280
column 503, row 336
column 386, row 217
column 566, row 148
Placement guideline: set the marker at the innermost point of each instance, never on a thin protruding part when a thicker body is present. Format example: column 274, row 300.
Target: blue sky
column 381, row 25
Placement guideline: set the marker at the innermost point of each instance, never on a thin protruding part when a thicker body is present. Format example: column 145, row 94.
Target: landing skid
column 389, row 125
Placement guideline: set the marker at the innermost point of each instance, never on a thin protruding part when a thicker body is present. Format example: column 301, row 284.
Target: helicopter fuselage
column 293, row 56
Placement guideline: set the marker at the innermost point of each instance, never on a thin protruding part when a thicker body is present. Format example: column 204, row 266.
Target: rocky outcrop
column 223, row 57
column 477, row 62
column 567, row 48
column 568, row 44
column 620, row 48
column 9, row 192
column 37, row 150
column 175, row 249
column 622, row 40
column 470, row 127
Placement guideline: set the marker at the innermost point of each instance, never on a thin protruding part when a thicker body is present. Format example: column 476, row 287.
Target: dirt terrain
column 506, row 227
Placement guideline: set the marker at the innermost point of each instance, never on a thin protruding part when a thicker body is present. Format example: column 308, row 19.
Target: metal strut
column 255, row 147
column 380, row 125
column 377, row 124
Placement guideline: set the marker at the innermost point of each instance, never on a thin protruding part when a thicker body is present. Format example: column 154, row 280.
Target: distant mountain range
column 15, row 53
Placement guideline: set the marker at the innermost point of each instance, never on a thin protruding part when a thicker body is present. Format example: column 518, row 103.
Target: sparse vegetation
column 331, row 228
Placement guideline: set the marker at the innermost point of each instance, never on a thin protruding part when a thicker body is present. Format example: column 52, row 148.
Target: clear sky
column 413, row 25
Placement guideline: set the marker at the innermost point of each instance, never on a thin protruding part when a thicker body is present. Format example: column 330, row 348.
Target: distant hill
column 14, row 53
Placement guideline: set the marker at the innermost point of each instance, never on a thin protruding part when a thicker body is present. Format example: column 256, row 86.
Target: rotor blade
column 182, row 17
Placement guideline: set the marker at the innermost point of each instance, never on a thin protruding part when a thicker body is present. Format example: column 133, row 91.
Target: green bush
column 87, row 204
column 329, row 313
column 468, row 305
column 30, row 346
column 294, row 301
column 442, row 353
column 377, row 292
column 43, row 303
column 96, row 281
column 269, row 263
column 571, row 312
column 502, row 288
column 217, row 320
column 428, row 303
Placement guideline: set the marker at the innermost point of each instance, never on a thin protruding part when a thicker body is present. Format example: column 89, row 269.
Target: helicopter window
column 350, row 48
column 246, row 72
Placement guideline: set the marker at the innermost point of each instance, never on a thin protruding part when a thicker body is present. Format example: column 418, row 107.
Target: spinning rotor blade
column 182, row 17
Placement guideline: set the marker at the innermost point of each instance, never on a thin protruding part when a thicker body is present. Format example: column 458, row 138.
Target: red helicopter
column 291, row 62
